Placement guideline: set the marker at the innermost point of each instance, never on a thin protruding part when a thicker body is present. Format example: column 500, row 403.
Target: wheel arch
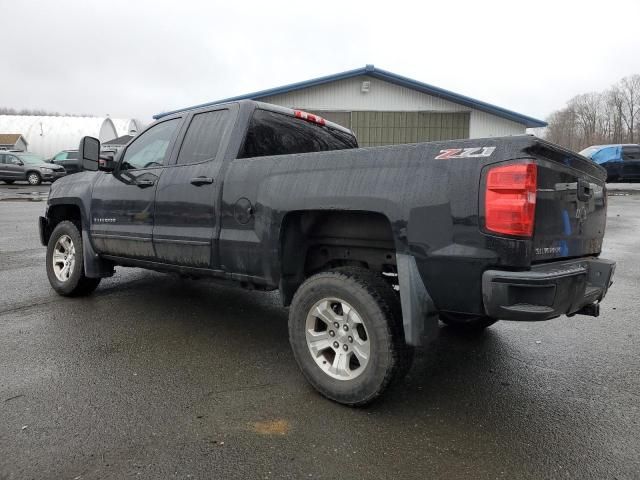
column 314, row 240
column 72, row 209
column 59, row 211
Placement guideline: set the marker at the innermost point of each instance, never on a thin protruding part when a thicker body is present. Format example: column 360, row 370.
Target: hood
column 73, row 185
column 51, row 166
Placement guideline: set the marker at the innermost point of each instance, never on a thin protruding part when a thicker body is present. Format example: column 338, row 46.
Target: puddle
column 271, row 427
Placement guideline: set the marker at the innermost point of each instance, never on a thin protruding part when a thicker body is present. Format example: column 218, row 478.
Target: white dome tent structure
column 47, row 135
column 127, row 126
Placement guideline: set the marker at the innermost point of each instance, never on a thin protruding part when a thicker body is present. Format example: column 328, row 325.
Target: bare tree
column 587, row 111
column 630, row 93
column 616, row 106
column 35, row 112
column 598, row 118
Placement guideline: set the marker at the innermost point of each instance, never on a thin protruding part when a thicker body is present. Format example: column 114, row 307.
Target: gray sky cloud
column 134, row 59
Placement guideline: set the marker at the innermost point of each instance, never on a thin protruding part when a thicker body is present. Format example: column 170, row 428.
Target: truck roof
column 264, row 106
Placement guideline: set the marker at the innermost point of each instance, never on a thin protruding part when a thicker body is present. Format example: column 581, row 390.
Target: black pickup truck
column 368, row 246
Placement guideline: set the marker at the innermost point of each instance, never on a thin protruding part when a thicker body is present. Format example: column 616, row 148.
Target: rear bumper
column 547, row 290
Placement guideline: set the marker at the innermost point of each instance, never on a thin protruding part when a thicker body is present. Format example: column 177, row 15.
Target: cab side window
column 630, row 153
column 150, row 148
column 202, row 140
column 60, row 156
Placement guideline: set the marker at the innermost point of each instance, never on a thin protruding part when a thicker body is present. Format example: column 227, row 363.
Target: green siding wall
column 392, row 128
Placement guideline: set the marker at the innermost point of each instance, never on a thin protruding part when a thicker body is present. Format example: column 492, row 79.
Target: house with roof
column 13, row 141
column 112, row 147
column 384, row 108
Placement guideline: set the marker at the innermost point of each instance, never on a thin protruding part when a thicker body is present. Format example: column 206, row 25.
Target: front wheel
column 466, row 323
column 65, row 262
column 345, row 329
column 34, row 178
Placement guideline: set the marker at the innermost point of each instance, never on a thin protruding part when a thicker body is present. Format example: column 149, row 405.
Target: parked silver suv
column 28, row 166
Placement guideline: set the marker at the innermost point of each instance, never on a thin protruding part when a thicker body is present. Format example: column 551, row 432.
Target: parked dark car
column 622, row 162
column 68, row 159
column 368, row 246
column 15, row 166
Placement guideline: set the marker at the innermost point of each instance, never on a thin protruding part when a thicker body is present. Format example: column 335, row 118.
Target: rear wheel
column 65, row 262
column 467, row 323
column 34, row 178
column 345, row 329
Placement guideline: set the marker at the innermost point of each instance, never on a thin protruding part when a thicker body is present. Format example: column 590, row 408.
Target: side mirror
column 89, row 153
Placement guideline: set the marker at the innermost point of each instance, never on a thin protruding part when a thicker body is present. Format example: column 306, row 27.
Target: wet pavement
column 24, row 191
column 157, row 377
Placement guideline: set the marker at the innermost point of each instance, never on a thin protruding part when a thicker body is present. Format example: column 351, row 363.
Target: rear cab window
column 274, row 133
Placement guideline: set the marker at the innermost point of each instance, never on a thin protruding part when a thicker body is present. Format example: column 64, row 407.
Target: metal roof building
column 385, row 108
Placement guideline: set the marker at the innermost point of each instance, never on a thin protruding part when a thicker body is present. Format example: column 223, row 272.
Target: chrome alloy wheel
column 337, row 339
column 33, row 179
column 64, row 258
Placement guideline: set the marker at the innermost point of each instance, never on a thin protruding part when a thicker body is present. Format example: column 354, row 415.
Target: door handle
column 145, row 183
column 198, row 181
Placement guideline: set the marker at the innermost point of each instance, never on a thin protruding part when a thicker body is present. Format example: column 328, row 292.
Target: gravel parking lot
column 157, row 377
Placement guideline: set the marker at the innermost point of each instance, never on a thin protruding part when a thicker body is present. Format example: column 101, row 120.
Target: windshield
column 31, row 158
column 587, row 152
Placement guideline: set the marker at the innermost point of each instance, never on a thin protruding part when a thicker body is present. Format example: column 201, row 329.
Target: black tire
column 34, row 178
column 77, row 283
column 378, row 306
column 9, row 182
column 466, row 323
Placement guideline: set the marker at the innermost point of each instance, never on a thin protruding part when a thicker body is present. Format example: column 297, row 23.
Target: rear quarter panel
column 431, row 205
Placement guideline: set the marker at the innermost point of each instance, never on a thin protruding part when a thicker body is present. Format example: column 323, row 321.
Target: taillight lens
column 309, row 117
column 510, row 199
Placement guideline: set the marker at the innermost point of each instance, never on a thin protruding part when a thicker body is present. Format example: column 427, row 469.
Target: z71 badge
column 471, row 152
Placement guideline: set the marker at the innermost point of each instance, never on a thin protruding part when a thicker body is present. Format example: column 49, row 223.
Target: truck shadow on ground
column 220, row 351
column 450, row 365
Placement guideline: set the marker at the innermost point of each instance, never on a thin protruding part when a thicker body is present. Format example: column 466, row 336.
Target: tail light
column 510, row 199
column 309, row 117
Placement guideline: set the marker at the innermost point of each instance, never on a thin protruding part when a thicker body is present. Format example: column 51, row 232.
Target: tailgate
column 571, row 204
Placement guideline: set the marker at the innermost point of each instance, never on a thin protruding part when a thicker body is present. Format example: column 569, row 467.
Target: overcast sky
column 137, row 58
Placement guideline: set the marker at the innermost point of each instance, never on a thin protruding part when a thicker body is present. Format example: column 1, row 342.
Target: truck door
column 186, row 208
column 631, row 162
column 122, row 203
